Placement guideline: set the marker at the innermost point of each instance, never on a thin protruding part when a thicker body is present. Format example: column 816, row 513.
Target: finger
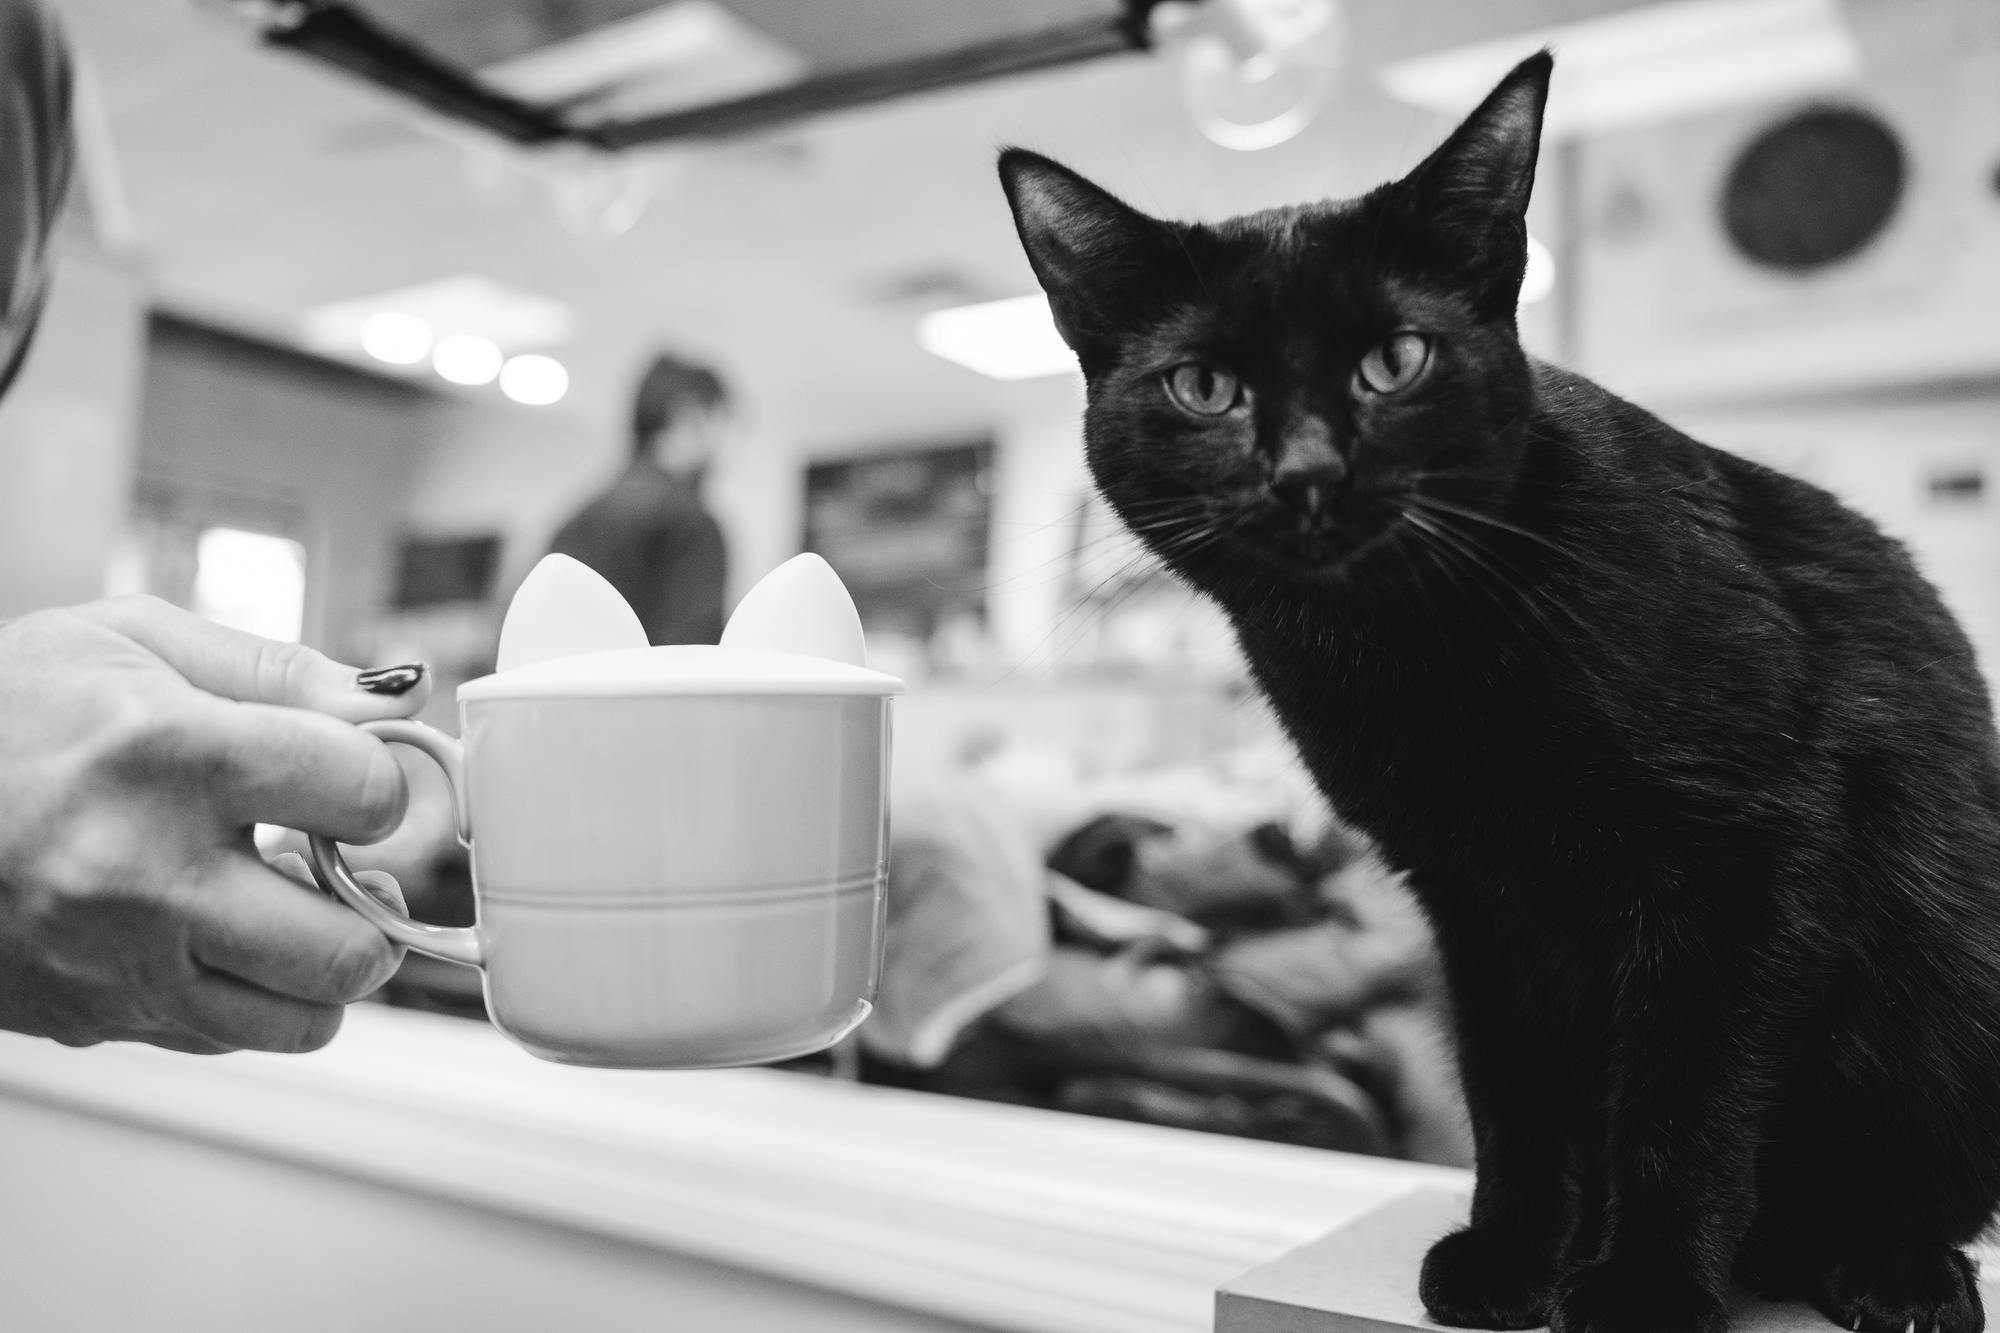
column 256, row 926
column 252, row 669
column 187, row 1043
column 242, row 1017
column 381, row 885
column 259, row 764
column 383, row 888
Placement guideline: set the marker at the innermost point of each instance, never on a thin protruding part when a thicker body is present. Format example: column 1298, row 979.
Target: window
column 236, row 559
column 254, row 581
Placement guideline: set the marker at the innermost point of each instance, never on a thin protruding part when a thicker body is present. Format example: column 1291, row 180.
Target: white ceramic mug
column 672, row 880
column 679, row 854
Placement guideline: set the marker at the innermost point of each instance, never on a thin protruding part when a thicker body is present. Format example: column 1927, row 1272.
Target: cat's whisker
column 1168, row 520
column 1523, row 591
column 1427, row 541
column 1168, row 516
column 1155, row 501
column 1439, row 547
column 1184, row 540
column 1164, row 521
column 1173, row 541
column 1067, row 518
column 1067, row 559
column 1433, row 503
column 1541, row 603
column 1078, row 618
column 1180, row 539
column 1420, row 541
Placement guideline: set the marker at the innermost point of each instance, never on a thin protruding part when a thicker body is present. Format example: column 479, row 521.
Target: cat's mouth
column 1315, row 544
column 1326, row 555
column 1320, row 545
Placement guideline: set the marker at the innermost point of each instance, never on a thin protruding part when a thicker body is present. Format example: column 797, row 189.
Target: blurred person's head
column 680, row 416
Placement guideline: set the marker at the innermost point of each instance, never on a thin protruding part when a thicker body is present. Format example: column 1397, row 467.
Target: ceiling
column 262, row 185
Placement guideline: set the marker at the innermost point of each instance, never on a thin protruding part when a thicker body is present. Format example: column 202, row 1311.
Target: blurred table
column 422, row 1168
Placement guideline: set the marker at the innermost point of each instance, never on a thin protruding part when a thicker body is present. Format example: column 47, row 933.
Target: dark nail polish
column 392, row 680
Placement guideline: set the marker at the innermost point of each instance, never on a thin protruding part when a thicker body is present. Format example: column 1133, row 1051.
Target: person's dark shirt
column 650, row 537
column 34, row 169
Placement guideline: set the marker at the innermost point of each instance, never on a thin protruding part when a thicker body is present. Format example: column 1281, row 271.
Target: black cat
column 1694, row 775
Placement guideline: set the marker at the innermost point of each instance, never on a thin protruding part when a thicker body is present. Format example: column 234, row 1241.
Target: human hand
column 139, row 744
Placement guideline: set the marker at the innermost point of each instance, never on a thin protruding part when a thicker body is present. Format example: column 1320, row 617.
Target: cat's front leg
column 1498, row 1272
column 1689, row 1083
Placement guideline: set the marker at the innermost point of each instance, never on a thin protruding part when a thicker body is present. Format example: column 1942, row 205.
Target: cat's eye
column 1394, row 363
column 1205, row 390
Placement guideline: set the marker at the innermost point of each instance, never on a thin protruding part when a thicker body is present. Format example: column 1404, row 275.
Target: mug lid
column 625, row 673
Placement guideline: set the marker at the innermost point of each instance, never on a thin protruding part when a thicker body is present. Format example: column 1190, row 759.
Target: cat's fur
column 1691, row 771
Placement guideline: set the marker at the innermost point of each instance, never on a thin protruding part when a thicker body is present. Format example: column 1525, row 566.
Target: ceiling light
column 536, row 381
column 464, row 303
column 1014, row 339
column 399, row 339
column 1657, row 61
column 1540, row 278
column 466, row 358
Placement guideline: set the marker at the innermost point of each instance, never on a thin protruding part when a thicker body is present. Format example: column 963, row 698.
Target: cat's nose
column 1309, row 469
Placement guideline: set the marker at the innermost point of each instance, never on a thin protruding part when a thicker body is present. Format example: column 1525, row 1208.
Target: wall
column 1039, row 482
column 1670, row 314
column 67, row 436
column 227, row 422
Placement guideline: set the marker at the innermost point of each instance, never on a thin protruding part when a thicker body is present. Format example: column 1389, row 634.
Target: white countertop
column 1000, row 1215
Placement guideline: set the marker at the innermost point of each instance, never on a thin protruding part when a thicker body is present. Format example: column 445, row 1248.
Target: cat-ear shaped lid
column 568, row 634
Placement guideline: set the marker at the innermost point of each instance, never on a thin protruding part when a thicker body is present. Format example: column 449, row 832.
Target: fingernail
column 392, row 680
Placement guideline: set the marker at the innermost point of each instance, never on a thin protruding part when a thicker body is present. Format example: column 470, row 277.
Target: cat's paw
column 1481, row 1278
column 1623, row 1296
column 1927, row 1286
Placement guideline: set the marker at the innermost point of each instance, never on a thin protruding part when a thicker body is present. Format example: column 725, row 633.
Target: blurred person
column 139, row 744
column 650, row 533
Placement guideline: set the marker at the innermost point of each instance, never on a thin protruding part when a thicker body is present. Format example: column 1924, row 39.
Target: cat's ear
column 1093, row 254
column 1471, row 194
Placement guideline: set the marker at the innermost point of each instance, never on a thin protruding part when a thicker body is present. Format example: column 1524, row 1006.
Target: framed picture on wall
column 907, row 532
column 236, row 557
column 441, row 570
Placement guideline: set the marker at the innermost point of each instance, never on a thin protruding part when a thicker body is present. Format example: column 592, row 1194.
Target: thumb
column 245, row 667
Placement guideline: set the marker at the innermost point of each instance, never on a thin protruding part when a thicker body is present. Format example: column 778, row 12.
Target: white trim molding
column 1003, row 1216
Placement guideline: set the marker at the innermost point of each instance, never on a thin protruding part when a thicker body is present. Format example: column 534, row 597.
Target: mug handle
column 454, row 944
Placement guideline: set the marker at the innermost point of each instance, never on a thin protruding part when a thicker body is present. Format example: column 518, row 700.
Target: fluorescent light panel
column 1650, row 63
column 1014, row 339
